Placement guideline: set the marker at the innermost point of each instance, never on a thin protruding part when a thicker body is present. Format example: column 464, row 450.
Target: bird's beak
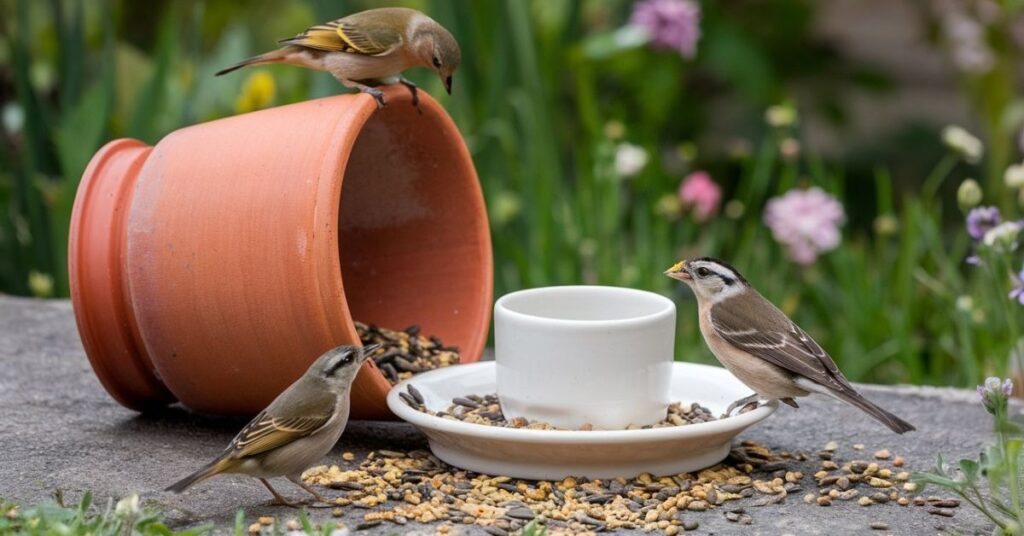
column 369, row 349
column 678, row 271
column 448, row 84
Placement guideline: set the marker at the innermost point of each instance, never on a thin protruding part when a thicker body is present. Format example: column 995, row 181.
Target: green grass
column 52, row 518
column 125, row 518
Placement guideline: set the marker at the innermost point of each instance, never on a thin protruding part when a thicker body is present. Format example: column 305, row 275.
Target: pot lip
column 99, row 296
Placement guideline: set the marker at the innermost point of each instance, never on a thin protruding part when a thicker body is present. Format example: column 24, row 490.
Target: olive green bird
column 296, row 430
column 370, row 48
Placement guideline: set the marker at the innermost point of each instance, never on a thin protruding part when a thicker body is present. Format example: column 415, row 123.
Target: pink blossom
column 699, row 192
column 671, row 24
column 806, row 222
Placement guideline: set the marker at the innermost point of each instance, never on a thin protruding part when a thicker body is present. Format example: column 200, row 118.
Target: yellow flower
column 258, row 92
column 40, row 284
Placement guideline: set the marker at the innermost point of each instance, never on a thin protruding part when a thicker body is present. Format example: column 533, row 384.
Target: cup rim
column 668, row 307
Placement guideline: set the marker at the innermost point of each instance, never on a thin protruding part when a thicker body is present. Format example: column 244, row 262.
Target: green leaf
column 604, row 45
column 81, row 130
column 938, row 480
column 149, row 105
column 970, row 470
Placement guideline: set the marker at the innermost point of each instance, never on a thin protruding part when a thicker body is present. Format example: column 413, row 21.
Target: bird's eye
column 703, row 272
column 437, row 62
column 339, row 364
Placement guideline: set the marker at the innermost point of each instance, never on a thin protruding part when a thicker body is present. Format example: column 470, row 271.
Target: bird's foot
column 742, row 403
column 415, row 93
column 789, row 402
column 278, row 499
column 325, row 502
column 377, row 95
column 281, row 501
column 749, row 407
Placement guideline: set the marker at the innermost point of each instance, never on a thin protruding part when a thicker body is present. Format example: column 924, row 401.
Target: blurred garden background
column 832, row 151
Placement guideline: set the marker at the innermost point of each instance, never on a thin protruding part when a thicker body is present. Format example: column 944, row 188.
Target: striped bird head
column 709, row 278
column 338, row 366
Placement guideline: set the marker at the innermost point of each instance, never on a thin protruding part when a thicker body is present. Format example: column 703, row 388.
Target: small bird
column 370, row 48
column 761, row 346
column 296, row 430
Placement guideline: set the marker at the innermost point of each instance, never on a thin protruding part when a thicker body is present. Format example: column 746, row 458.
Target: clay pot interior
column 407, row 244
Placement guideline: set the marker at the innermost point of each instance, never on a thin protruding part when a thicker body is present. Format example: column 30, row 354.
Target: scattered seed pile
column 404, row 353
column 399, row 487
column 486, row 410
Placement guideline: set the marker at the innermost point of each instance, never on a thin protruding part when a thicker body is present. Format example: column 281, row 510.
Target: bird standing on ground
column 370, row 48
column 761, row 346
column 296, row 430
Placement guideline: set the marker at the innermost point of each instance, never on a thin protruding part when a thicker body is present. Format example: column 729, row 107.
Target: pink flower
column 699, row 192
column 806, row 222
column 671, row 24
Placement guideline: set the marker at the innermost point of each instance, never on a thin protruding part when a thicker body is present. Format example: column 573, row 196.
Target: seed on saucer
column 408, row 399
column 416, row 394
column 462, row 401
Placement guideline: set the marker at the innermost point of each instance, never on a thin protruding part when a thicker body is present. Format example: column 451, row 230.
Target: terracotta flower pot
column 216, row 266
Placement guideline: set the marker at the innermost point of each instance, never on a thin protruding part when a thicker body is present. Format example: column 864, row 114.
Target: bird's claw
column 749, row 407
column 280, row 501
column 378, row 96
column 415, row 93
column 743, row 403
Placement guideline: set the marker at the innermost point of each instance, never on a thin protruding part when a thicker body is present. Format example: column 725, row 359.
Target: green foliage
column 533, row 528
column 992, row 484
column 546, row 95
column 84, row 519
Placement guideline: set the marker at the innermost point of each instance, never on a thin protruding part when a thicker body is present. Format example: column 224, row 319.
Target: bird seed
column 405, row 353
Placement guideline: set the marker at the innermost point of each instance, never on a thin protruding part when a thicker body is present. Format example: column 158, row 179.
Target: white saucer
column 553, row 454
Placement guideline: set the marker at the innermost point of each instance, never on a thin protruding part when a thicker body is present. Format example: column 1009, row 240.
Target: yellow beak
column 678, row 271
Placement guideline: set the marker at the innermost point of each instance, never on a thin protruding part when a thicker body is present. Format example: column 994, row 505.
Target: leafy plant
column 127, row 518
column 992, row 484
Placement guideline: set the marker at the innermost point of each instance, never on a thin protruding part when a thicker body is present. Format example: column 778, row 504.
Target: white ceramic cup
column 578, row 355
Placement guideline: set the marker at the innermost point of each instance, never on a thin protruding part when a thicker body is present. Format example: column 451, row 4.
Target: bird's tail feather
column 854, row 398
column 213, row 468
column 894, row 423
column 274, row 56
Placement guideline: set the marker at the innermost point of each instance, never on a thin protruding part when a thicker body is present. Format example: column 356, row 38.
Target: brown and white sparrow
column 761, row 346
column 296, row 430
column 370, row 48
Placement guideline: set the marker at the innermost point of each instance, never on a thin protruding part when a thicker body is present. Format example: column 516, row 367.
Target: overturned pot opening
column 221, row 262
column 412, row 232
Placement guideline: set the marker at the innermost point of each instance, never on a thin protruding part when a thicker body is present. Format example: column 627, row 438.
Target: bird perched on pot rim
column 761, row 346
column 296, row 430
column 370, row 48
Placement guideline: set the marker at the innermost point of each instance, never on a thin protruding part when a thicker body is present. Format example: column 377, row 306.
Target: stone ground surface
column 61, row 431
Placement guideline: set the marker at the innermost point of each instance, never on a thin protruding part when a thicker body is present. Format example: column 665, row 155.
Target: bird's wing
column 265, row 433
column 376, row 35
column 778, row 341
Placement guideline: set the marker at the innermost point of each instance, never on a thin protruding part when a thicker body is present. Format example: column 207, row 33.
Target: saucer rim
column 731, row 426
